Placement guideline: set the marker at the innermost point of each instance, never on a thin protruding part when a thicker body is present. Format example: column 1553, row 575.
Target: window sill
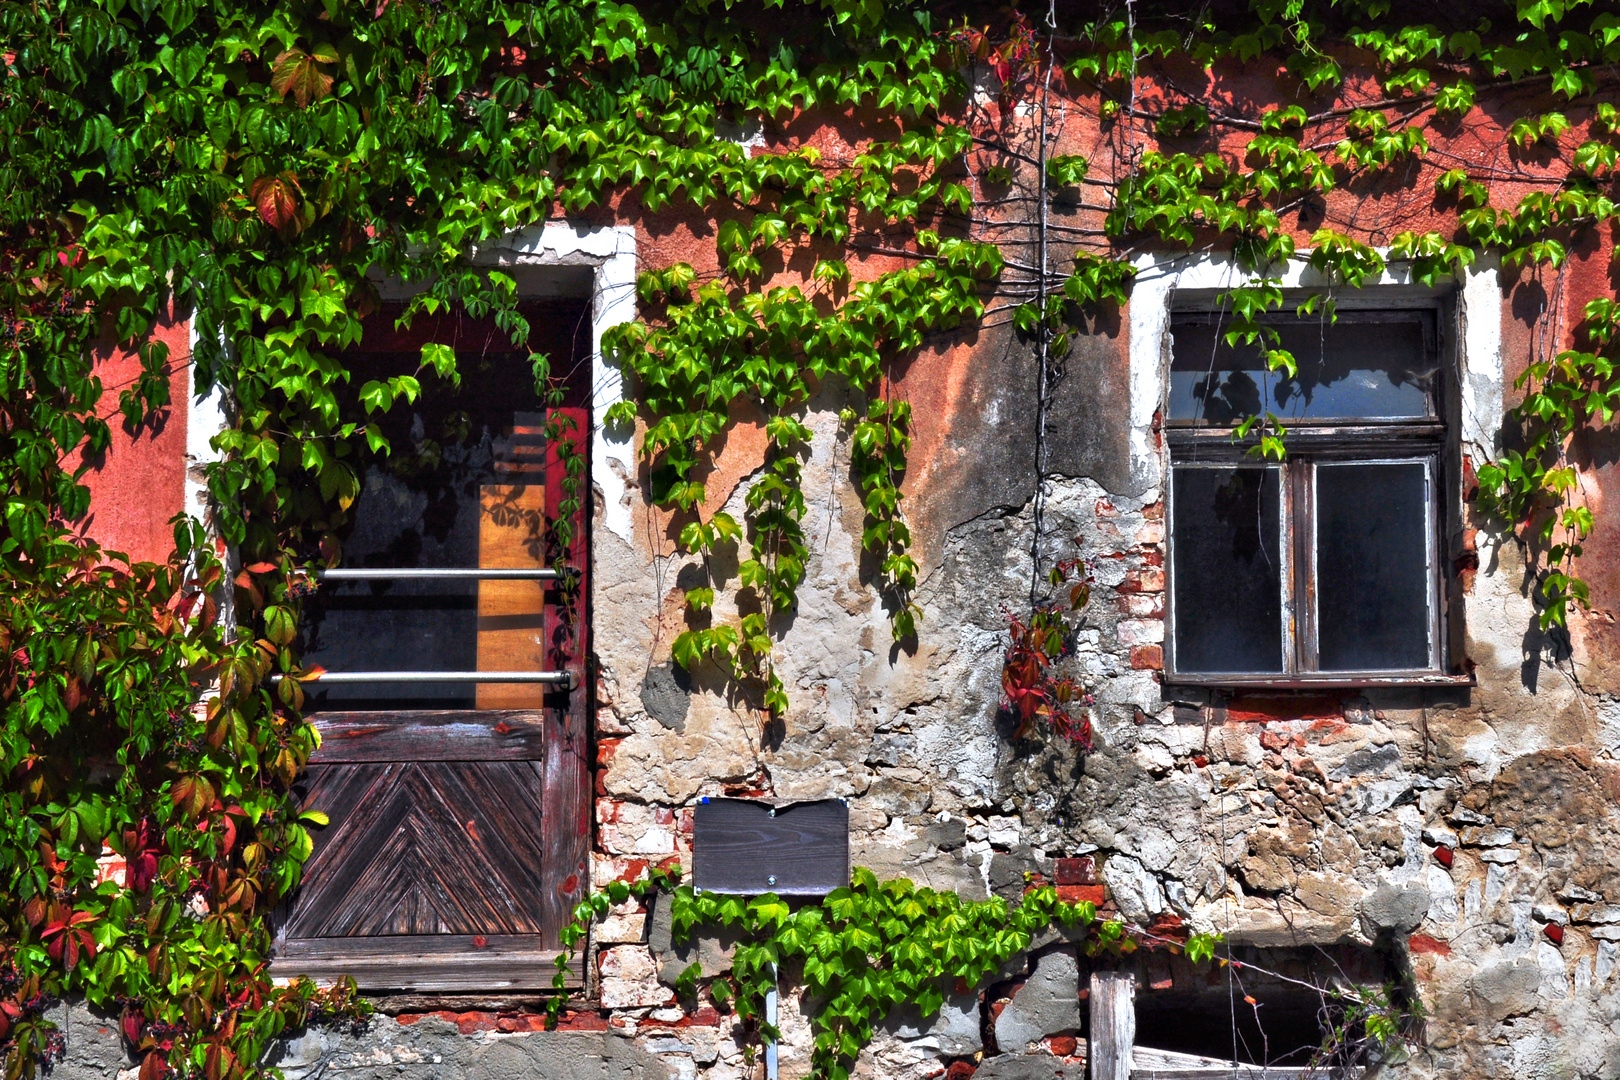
column 1335, row 681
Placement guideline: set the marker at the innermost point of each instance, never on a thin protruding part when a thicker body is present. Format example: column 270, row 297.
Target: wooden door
column 441, row 869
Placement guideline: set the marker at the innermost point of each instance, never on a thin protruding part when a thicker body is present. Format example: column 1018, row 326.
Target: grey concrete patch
column 953, row 1031
column 665, row 697
column 1048, row 1004
column 1030, row 1067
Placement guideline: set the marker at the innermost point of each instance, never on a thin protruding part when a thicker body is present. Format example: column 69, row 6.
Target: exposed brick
column 960, row 1070
column 1062, row 1045
column 1153, row 511
column 1080, row 871
column 1284, row 708
column 1147, row 657
column 582, row 1021
column 1075, row 894
column 1140, row 581
column 1141, row 605
column 469, row 1023
column 1150, row 555
column 1106, row 509
column 1274, row 740
column 1423, row 943
column 1139, row 631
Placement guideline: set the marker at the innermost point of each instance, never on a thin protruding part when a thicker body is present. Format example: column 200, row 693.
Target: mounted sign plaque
column 748, row 847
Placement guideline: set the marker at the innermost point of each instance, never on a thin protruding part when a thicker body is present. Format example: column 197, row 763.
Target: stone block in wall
column 711, row 952
column 1136, row 890
column 1047, row 1004
column 1038, row 1066
column 1398, row 908
column 953, row 1031
column 630, row 979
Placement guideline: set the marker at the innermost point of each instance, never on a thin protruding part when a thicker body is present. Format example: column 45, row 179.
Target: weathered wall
column 1289, row 823
column 139, row 482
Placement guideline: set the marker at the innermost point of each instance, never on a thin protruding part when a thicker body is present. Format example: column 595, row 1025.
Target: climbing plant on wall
column 258, row 168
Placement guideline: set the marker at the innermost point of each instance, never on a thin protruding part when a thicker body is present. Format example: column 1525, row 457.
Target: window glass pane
column 462, row 488
column 1372, row 572
column 1226, row 570
column 1355, row 367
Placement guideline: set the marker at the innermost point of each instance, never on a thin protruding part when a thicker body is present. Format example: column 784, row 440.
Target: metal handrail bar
column 421, row 573
column 557, row 677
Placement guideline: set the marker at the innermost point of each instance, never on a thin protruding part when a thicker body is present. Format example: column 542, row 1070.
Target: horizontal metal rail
column 561, row 678
column 452, row 574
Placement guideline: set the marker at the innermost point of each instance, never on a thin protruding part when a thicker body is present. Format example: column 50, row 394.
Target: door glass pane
column 463, row 487
column 425, row 506
column 1226, row 570
column 1352, row 368
column 1372, row 568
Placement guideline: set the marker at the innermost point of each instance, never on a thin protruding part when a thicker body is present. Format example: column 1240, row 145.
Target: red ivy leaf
column 300, row 72
column 154, row 1066
column 277, row 200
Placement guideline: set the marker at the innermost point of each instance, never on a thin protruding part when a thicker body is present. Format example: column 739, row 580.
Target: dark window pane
column 1372, row 573
column 1226, row 570
column 462, row 488
column 1355, row 367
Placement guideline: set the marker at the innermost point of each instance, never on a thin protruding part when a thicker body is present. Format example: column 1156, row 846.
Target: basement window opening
column 1274, row 1008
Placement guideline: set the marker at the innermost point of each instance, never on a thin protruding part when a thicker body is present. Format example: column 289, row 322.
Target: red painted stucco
column 139, row 483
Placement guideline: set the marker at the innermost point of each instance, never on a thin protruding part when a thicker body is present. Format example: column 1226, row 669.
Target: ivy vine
column 259, row 168
column 866, row 949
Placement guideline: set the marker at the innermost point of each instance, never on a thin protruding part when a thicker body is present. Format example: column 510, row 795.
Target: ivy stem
column 1044, row 336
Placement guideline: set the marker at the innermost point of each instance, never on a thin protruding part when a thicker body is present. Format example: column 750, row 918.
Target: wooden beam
column 1113, row 1024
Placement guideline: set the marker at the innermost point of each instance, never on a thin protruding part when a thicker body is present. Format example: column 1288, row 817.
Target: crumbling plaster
column 1276, row 829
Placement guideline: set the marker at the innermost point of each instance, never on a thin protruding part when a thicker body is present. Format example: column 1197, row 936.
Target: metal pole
column 557, row 677
column 771, row 1019
column 435, row 573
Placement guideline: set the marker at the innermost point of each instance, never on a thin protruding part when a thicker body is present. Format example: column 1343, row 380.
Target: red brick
column 1063, row 1045
column 1153, row 511
column 1139, row 581
column 469, row 1022
column 1075, row 894
column 1554, row 932
column 1284, row 708
column 1147, row 657
column 1423, row 943
column 1150, row 556
column 960, row 1070
column 1081, row 871
column 1274, row 740
column 582, row 1021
